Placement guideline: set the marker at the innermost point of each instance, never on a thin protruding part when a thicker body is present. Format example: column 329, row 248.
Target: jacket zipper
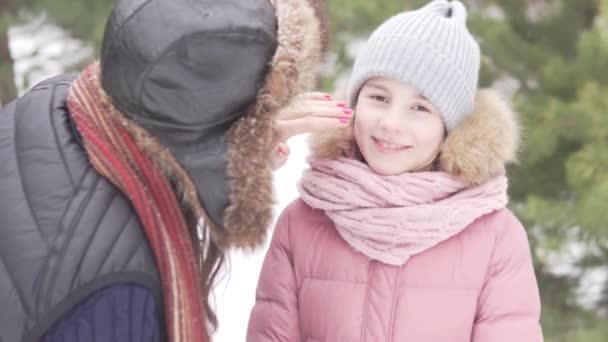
column 370, row 278
column 394, row 305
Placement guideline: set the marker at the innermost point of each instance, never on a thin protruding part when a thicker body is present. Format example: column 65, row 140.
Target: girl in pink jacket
column 402, row 231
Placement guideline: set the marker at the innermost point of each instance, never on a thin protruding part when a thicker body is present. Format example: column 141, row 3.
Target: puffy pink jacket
column 476, row 286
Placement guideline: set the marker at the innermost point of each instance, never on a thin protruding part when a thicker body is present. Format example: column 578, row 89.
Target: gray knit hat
column 429, row 48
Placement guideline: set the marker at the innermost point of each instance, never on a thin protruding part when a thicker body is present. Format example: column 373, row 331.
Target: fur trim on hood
column 294, row 69
column 479, row 148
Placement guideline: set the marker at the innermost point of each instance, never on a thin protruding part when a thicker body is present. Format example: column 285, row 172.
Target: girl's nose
column 392, row 123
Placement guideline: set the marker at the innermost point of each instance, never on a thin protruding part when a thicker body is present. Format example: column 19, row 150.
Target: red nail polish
column 327, row 97
column 344, row 120
column 348, row 111
column 341, row 104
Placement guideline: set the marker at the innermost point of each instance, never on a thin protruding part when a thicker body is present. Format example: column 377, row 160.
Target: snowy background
column 235, row 294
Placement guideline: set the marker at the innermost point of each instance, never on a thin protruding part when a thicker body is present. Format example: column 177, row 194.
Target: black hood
column 187, row 70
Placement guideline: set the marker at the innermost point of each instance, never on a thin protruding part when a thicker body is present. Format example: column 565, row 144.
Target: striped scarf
column 114, row 153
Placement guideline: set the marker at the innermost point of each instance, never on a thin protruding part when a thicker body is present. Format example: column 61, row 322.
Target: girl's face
column 396, row 128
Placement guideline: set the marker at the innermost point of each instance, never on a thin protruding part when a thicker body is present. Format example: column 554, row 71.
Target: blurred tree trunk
column 8, row 91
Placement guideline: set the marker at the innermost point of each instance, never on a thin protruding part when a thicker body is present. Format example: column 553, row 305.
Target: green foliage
column 350, row 20
column 561, row 185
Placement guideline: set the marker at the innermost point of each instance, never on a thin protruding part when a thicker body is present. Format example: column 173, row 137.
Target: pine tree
column 557, row 51
column 8, row 90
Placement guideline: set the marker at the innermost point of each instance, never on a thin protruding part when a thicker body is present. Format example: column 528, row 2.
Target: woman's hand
column 308, row 113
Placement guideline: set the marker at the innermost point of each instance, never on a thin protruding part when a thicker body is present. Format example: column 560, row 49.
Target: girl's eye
column 419, row 108
column 379, row 98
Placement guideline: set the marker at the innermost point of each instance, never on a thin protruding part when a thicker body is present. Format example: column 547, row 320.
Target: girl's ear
column 484, row 143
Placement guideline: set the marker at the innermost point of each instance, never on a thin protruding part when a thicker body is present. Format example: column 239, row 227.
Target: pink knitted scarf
column 390, row 218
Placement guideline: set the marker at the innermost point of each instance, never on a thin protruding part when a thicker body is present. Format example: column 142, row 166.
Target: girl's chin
column 387, row 170
column 391, row 167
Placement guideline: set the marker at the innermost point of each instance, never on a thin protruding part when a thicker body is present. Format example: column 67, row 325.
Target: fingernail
column 341, row 104
column 347, row 111
column 344, row 120
column 327, row 97
column 282, row 151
